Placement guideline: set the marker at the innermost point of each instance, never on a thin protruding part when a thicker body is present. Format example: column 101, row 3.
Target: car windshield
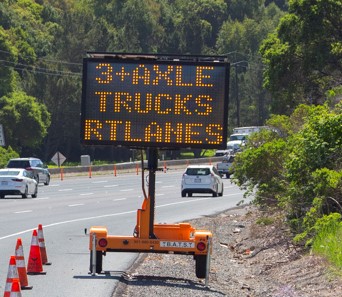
column 198, row 171
column 238, row 137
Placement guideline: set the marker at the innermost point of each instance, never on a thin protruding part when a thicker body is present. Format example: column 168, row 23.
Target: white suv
column 40, row 172
column 202, row 179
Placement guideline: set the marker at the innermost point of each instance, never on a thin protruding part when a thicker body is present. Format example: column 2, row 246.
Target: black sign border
column 189, row 60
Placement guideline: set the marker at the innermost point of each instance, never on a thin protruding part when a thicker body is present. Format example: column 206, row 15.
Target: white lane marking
column 119, row 199
column 55, row 185
column 110, row 186
column 126, row 190
column 168, row 186
column 96, row 217
column 160, row 194
column 78, row 204
column 23, row 211
column 42, row 198
column 100, row 181
column 64, row 190
column 86, row 194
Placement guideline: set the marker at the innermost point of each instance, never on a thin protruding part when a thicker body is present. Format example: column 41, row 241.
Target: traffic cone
column 42, row 247
column 35, row 265
column 11, row 275
column 21, row 266
column 15, row 288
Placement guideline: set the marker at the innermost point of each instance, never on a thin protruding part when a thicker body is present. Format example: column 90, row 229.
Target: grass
column 328, row 243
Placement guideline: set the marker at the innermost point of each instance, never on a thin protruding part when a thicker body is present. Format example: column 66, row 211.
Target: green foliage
column 261, row 168
column 6, row 154
column 304, row 53
column 327, row 241
column 24, row 120
column 7, row 58
column 265, row 221
column 301, row 173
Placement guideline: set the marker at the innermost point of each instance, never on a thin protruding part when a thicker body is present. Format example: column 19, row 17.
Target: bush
column 6, row 154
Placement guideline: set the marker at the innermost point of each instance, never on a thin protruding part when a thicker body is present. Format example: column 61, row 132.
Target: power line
column 45, row 59
column 40, row 70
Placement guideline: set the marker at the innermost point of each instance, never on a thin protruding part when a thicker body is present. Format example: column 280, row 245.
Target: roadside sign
column 2, row 136
column 58, row 159
column 155, row 101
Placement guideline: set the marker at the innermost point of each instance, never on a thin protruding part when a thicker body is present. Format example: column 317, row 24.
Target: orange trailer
column 148, row 237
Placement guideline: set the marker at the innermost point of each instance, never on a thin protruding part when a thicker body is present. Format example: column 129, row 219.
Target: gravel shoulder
column 248, row 260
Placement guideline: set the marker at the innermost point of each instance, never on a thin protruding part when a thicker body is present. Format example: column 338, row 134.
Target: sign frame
column 188, row 62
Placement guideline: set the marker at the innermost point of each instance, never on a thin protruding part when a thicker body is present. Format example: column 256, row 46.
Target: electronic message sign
column 151, row 101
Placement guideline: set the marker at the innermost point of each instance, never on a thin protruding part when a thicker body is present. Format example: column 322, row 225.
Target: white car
column 17, row 181
column 201, row 179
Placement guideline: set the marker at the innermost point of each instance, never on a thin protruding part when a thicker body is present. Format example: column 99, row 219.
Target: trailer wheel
column 99, row 257
column 201, row 266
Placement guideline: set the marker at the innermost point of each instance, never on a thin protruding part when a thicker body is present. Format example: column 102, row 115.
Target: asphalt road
column 68, row 208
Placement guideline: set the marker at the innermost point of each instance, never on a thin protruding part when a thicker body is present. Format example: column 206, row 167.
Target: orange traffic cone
column 15, row 288
column 21, row 266
column 11, row 275
column 42, row 247
column 35, row 265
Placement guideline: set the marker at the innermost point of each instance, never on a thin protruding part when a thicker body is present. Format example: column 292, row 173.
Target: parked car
column 17, row 181
column 40, row 172
column 201, row 179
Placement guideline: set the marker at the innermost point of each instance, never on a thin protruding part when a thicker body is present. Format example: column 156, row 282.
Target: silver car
column 201, row 179
column 17, row 182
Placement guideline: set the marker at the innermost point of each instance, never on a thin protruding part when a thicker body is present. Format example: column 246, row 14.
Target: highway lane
column 66, row 208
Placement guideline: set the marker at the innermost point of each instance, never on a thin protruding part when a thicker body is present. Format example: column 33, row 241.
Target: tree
column 7, row 60
column 241, row 41
column 25, row 121
column 304, row 56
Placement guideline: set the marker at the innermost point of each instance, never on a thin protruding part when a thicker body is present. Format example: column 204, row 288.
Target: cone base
column 48, row 263
column 26, row 287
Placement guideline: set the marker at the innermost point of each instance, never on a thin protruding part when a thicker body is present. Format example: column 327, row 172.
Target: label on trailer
column 178, row 244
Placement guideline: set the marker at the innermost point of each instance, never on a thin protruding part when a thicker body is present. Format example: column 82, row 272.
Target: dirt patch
column 249, row 259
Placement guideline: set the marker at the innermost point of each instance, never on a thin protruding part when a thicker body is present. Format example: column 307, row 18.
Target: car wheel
column 2, row 196
column 34, row 195
column 26, row 193
column 189, row 194
column 227, row 175
column 221, row 194
column 183, row 193
column 47, row 182
column 215, row 192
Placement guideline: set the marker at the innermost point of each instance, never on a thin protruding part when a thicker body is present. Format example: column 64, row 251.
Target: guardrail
column 131, row 166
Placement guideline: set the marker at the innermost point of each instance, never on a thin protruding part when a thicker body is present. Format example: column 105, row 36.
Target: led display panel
column 154, row 102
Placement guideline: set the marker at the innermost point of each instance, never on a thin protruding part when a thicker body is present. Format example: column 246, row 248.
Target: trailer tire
column 201, row 266
column 99, row 257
